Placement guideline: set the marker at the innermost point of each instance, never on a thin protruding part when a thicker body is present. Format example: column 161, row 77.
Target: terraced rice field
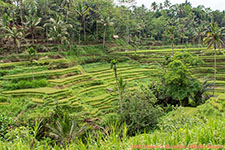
column 91, row 87
column 205, row 71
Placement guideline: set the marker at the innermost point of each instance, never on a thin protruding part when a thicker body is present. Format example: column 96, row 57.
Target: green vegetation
column 95, row 74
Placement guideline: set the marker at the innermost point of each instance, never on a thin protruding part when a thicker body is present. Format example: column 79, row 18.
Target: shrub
column 5, row 124
column 139, row 111
column 178, row 119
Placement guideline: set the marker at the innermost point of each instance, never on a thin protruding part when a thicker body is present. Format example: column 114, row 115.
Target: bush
column 178, row 119
column 139, row 111
column 5, row 124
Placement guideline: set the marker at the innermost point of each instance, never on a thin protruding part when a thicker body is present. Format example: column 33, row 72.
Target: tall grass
column 211, row 133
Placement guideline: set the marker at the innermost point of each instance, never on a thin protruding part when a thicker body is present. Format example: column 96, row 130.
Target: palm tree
column 58, row 30
column 160, row 6
column 14, row 34
column 83, row 12
column 32, row 26
column 167, row 3
column 171, row 32
column 154, row 6
column 106, row 21
column 214, row 38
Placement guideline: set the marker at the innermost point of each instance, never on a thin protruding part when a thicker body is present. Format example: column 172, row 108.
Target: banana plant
column 32, row 26
column 58, row 30
column 15, row 33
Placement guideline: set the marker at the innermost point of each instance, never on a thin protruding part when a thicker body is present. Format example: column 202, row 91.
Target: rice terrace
column 104, row 74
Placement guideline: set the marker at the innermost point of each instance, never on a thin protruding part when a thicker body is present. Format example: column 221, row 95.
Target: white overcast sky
column 213, row 4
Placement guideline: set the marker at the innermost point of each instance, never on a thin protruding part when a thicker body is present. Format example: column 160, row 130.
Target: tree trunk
column 85, row 33
column 59, row 49
column 32, row 38
column 199, row 40
column 128, row 38
column 32, row 72
column 214, row 70
column 104, row 37
column 15, row 46
column 79, row 39
column 97, row 31
column 21, row 12
column 173, row 48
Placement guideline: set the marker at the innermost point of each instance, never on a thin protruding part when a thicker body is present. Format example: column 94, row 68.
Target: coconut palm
column 167, row 3
column 154, row 6
column 160, row 6
column 106, row 21
column 171, row 32
column 214, row 38
column 83, row 12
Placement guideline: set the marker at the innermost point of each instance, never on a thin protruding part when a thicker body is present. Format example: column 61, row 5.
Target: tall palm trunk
column 104, row 37
column 32, row 72
column 96, row 31
column 15, row 45
column 199, row 40
column 173, row 48
column 21, row 12
column 79, row 35
column 32, row 38
column 84, row 32
column 128, row 38
column 214, row 71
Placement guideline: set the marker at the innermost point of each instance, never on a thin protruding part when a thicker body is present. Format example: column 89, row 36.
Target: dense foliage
column 84, row 21
column 139, row 111
column 58, row 91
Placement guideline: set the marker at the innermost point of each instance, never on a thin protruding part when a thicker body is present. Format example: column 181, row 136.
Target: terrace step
column 46, row 90
column 43, row 73
column 70, row 79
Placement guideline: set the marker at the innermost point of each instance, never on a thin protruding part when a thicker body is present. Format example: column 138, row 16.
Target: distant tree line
column 96, row 21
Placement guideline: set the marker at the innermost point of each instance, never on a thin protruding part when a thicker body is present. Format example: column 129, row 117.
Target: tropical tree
column 15, row 34
column 82, row 11
column 160, row 6
column 154, row 6
column 106, row 21
column 58, row 30
column 167, row 3
column 171, row 32
column 32, row 26
column 214, row 38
